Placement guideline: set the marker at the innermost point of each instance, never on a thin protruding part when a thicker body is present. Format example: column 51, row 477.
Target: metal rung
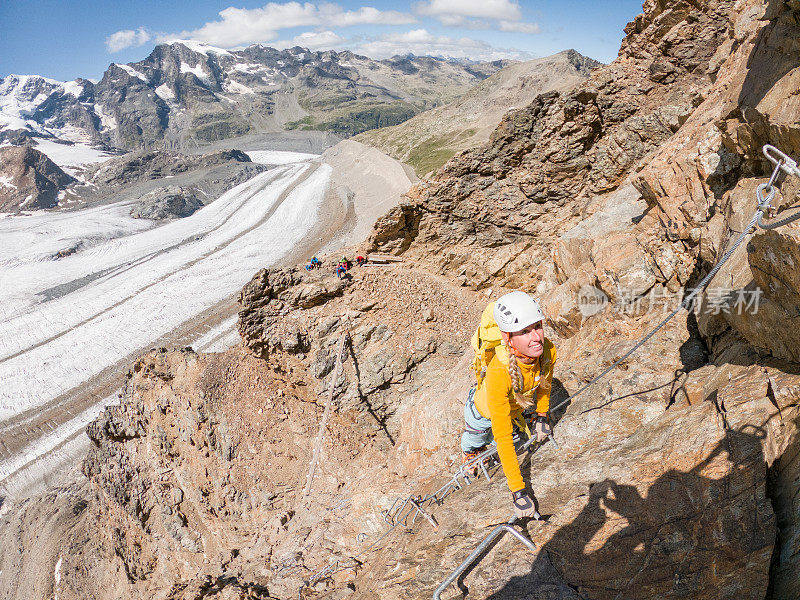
column 430, row 518
column 477, row 552
column 391, row 515
column 403, row 508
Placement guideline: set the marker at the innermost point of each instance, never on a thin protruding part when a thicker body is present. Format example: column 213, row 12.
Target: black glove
column 541, row 428
column 523, row 505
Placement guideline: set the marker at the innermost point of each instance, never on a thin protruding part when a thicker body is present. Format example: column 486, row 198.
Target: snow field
column 141, row 286
column 42, row 472
column 220, row 338
column 47, row 442
column 164, row 92
column 27, row 278
column 133, row 72
column 279, row 157
column 68, row 157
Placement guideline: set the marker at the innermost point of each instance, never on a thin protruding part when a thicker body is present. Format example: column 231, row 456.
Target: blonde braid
column 517, row 382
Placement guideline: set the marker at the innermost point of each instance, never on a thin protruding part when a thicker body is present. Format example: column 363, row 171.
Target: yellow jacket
column 495, row 400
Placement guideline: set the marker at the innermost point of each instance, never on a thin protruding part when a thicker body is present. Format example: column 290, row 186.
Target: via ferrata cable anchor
column 765, row 192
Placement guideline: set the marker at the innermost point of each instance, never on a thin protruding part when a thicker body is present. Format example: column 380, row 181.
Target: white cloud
column 487, row 9
column 240, row 26
column 316, row 40
column 462, row 22
column 519, row 27
column 333, row 16
column 127, row 38
column 416, row 41
column 469, row 14
column 421, row 42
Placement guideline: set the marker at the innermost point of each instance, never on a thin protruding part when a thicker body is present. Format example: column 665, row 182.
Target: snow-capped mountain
column 187, row 92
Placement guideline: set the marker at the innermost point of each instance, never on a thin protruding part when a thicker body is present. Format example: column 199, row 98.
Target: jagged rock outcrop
column 321, row 308
column 143, row 166
column 533, row 208
column 205, row 178
column 545, row 162
column 266, row 295
column 197, row 473
column 29, row 180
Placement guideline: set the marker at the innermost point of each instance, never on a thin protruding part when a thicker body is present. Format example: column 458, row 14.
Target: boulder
column 167, row 203
column 624, row 270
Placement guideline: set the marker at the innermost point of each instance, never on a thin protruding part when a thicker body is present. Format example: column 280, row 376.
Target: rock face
column 548, row 205
column 29, row 180
column 428, row 140
column 186, row 93
column 545, row 163
column 197, row 474
column 143, row 166
column 169, row 202
column 676, row 476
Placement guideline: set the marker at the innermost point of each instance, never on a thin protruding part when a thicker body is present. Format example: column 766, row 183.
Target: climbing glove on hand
column 541, row 428
column 523, row 505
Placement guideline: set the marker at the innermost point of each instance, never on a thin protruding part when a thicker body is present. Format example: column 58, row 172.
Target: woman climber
column 512, row 376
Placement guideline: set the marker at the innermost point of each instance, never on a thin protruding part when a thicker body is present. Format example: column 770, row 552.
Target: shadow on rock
column 704, row 533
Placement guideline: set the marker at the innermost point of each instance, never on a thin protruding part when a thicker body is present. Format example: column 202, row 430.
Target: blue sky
column 64, row 39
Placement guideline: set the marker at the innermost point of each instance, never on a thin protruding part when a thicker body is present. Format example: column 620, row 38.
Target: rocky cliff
column 676, row 476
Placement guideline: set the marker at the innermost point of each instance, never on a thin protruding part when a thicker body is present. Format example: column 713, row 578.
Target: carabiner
column 783, row 161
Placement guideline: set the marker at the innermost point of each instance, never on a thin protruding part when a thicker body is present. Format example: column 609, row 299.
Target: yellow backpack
column 486, row 343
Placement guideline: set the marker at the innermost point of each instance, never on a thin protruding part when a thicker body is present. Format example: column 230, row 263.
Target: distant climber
column 514, row 367
column 314, row 263
column 361, row 260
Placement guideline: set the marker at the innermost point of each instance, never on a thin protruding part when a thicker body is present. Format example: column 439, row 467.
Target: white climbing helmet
column 515, row 311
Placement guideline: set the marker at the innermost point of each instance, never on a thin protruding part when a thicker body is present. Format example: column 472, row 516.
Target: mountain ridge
column 429, row 139
column 186, row 93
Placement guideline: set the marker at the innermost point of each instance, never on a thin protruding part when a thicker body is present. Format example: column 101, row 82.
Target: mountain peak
column 199, row 47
